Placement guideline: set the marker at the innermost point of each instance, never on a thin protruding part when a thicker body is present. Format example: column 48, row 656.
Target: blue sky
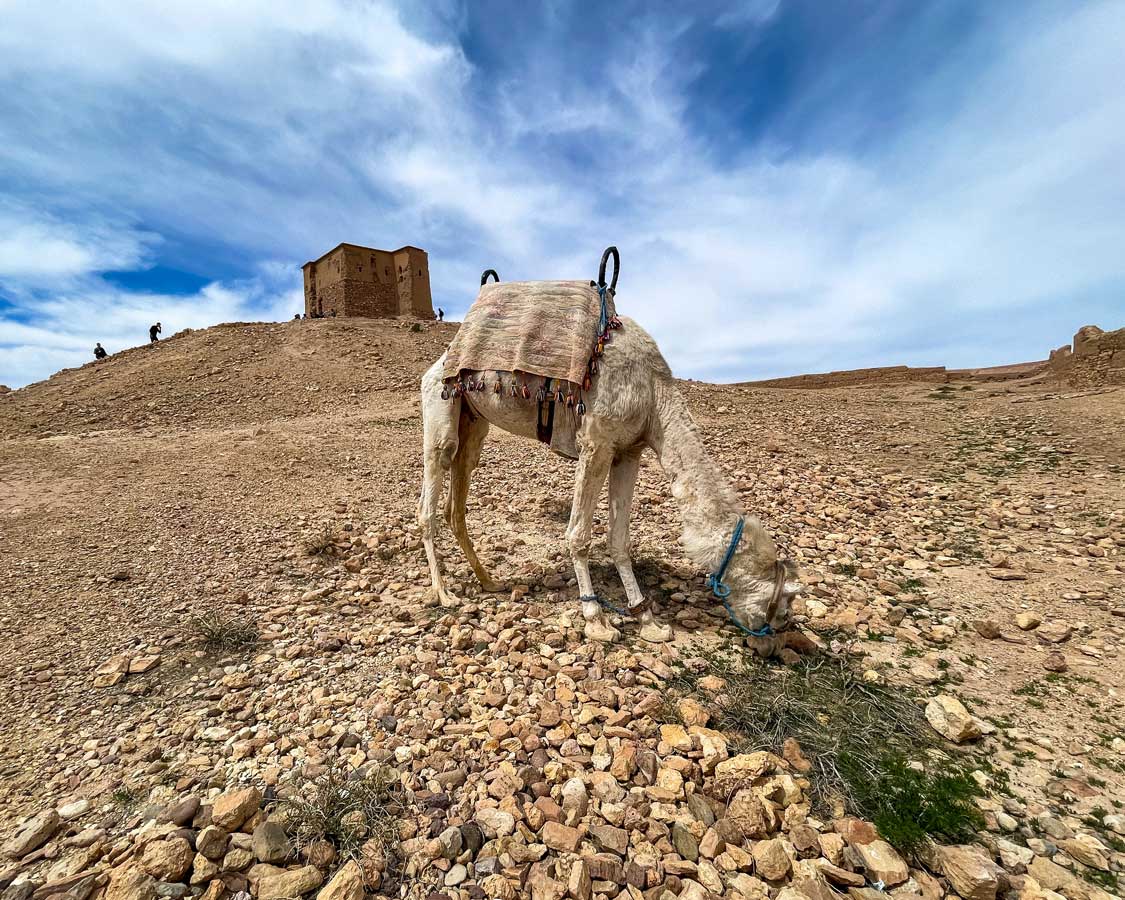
column 795, row 185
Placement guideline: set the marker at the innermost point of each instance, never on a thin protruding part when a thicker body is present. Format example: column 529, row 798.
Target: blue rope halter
column 721, row 589
column 603, row 319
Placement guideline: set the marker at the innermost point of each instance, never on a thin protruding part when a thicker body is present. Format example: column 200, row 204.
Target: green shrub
column 871, row 749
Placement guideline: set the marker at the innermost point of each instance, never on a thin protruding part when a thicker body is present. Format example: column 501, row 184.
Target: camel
column 633, row 405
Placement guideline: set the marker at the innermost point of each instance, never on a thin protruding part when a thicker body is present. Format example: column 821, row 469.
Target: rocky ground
column 963, row 540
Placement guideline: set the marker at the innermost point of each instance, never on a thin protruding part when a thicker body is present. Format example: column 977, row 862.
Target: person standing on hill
column 440, row 314
column 153, row 331
column 99, row 351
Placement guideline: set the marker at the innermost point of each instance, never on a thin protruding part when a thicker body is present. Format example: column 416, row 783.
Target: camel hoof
column 656, row 633
column 600, row 630
column 442, row 597
column 492, row 587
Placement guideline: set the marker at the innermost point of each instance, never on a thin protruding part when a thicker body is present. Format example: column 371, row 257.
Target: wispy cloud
column 862, row 210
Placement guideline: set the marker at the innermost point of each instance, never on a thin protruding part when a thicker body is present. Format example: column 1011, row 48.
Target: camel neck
column 708, row 504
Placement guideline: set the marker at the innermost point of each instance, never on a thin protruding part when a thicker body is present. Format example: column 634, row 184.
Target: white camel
column 633, row 404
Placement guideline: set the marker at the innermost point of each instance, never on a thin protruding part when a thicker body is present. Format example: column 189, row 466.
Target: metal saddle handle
column 616, row 268
column 486, row 273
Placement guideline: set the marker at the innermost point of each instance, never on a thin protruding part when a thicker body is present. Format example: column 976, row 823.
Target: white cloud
column 39, row 249
column 276, row 132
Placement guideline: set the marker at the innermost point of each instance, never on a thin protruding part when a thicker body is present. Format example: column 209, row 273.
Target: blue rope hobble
column 603, row 603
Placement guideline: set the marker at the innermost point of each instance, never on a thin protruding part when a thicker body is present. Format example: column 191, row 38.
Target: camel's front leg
column 622, row 480
column 593, row 464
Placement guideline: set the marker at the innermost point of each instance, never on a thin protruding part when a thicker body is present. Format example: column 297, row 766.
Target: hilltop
column 960, row 538
column 238, row 373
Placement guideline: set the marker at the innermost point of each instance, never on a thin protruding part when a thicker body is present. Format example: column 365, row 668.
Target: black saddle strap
column 545, row 417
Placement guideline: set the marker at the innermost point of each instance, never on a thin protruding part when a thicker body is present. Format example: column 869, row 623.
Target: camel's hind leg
column 470, row 436
column 439, row 446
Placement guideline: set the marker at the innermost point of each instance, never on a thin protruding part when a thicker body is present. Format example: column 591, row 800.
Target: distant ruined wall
column 1094, row 359
column 878, row 375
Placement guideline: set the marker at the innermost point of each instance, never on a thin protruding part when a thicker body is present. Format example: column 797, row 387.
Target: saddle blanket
column 544, row 328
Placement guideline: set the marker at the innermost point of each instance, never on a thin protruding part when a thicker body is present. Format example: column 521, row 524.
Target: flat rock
column 560, row 837
column 748, row 814
column 770, row 859
column 949, row 718
column 741, row 770
column 130, row 883
column 1053, row 632
column 882, row 863
column 167, row 860
column 495, row 822
column 32, row 834
column 230, row 810
column 270, row 843
column 1006, row 575
column 346, row 884
column 211, row 842
column 181, row 812
column 287, row 885
column 971, row 873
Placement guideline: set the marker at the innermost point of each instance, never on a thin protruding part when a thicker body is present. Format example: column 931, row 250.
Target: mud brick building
column 350, row 280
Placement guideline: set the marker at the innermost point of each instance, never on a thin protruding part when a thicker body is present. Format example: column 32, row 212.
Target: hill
column 215, row 586
column 239, row 373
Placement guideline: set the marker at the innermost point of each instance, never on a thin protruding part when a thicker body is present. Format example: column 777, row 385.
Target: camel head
column 762, row 597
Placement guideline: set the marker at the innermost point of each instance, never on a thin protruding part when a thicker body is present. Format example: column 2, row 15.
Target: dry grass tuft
column 357, row 812
column 321, row 543
column 217, row 631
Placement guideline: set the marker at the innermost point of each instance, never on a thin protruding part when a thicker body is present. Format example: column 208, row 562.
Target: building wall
column 412, row 268
column 362, row 281
column 324, row 285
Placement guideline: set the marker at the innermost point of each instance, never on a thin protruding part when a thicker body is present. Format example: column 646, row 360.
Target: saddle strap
column 545, row 415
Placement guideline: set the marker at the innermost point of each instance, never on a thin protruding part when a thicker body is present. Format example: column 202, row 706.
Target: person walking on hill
column 99, row 351
column 153, row 331
column 440, row 314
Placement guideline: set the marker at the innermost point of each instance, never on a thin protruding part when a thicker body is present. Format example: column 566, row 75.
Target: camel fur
column 633, row 405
